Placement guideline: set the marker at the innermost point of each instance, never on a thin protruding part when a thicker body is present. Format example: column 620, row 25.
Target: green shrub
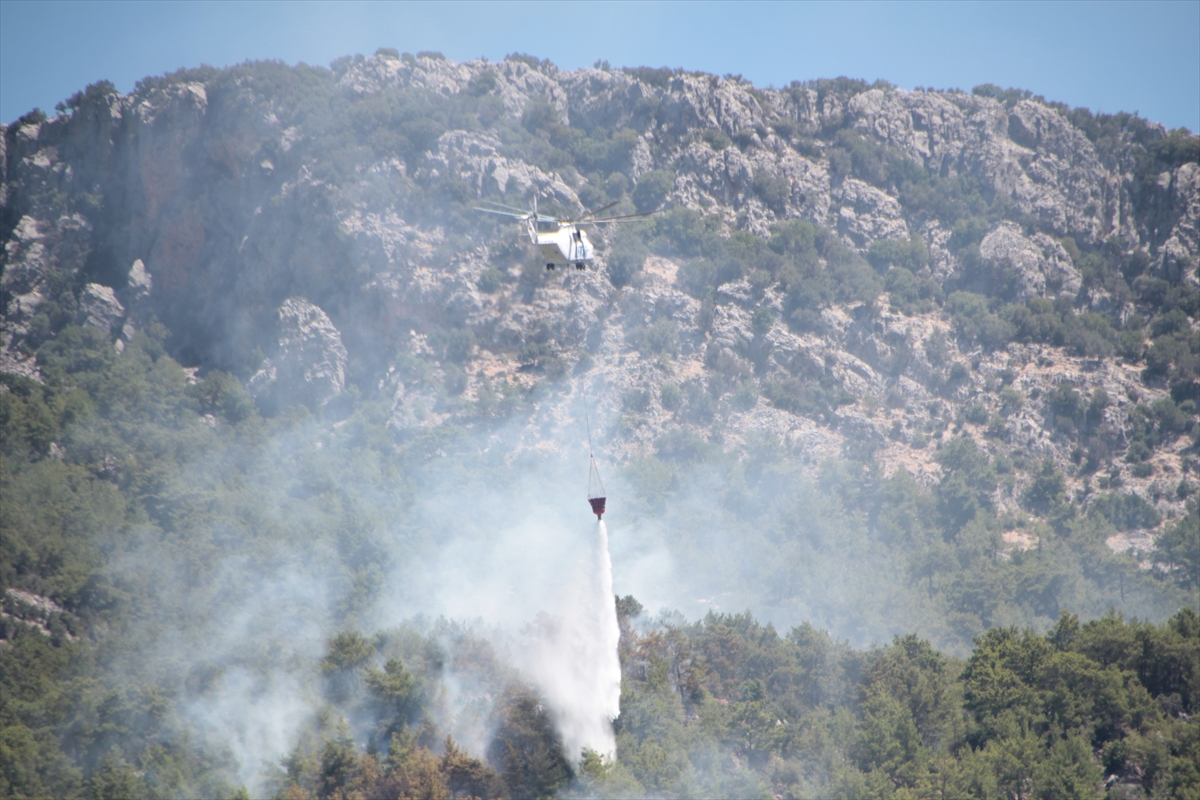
column 652, row 189
column 222, row 394
column 1036, row 321
column 762, row 319
column 685, row 232
column 1090, row 335
column 458, row 344
column 34, row 117
column 794, row 238
column 959, row 374
column 1137, row 452
column 977, row 413
column 860, row 155
column 968, row 232
column 774, row 190
column 482, row 83
column 1011, row 400
column 1175, row 550
column 600, row 152
column 716, row 138
column 671, row 397
column 1046, row 490
column 683, row 445
column 625, row 259
column 661, row 337
column 700, row 405
column 1064, row 402
column 525, row 58
column 910, row 294
column 698, row 278
column 539, row 115
column 636, row 400
column 806, row 398
column 1125, row 511
column 975, row 323
column 93, row 94
column 912, row 255
column 658, row 77
column 491, row 280
column 746, row 396
column 1171, row 419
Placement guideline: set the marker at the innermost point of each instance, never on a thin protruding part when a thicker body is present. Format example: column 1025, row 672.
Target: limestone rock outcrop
column 1043, row 266
column 309, row 366
column 98, row 305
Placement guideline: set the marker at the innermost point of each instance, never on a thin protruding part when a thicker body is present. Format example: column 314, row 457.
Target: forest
column 214, row 590
column 723, row 706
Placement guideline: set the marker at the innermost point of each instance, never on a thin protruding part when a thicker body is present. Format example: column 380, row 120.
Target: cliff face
column 310, row 230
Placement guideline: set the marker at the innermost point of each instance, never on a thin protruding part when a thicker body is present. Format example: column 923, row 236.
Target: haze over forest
column 895, row 400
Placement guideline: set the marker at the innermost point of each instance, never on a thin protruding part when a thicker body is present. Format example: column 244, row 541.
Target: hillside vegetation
column 912, row 376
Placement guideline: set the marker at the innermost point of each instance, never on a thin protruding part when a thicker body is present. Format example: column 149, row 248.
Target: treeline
column 723, row 707
column 728, row 707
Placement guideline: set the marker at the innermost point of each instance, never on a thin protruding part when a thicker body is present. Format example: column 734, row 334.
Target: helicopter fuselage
column 561, row 241
column 561, row 244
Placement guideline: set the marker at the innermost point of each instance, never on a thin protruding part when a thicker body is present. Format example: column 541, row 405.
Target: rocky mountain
column 847, row 268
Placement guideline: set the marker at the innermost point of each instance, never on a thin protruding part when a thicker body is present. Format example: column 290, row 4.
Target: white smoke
column 572, row 655
column 514, row 563
column 518, row 565
column 257, row 722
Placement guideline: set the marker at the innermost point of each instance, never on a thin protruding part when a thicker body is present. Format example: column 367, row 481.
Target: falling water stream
column 609, row 669
column 573, row 656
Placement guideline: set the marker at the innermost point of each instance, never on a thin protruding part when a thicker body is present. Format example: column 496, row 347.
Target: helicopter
column 561, row 241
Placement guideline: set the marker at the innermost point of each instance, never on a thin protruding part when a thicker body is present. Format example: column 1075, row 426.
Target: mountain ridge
column 175, row 170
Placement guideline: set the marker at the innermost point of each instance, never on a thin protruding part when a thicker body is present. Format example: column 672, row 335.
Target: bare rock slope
column 308, row 228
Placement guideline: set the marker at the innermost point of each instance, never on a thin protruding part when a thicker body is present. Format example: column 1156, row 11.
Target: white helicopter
column 561, row 241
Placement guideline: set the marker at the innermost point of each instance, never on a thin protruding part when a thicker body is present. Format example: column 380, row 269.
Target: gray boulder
column 309, row 367
column 1180, row 254
column 1043, row 266
column 868, row 214
column 99, row 306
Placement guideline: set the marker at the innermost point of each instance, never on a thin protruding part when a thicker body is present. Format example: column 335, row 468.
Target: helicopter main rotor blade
column 505, row 207
column 545, row 217
column 524, row 215
column 519, row 213
column 623, row 218
column 591, row 214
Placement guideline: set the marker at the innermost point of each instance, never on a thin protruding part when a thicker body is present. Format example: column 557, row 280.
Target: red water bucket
column 597, row 505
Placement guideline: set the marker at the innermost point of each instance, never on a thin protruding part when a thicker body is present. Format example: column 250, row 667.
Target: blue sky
column 1108, row 56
